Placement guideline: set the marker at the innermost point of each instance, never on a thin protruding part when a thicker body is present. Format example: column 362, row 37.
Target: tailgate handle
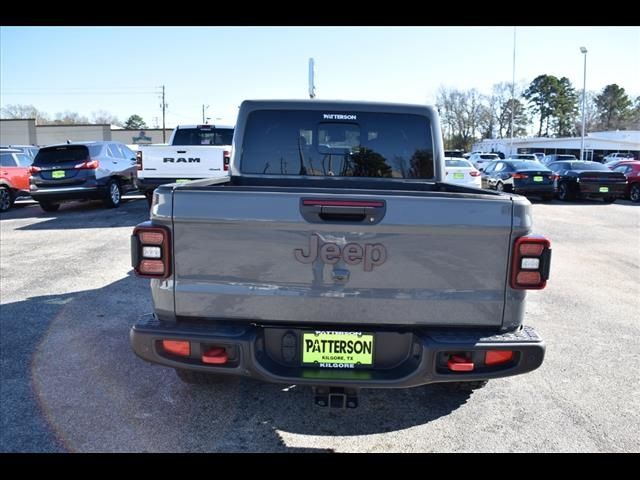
column 181, row 151
column 342, row 211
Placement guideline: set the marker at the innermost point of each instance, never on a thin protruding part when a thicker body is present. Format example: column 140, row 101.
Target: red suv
column 14, row 177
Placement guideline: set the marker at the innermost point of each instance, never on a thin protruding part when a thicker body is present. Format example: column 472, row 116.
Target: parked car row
column 105, row 170
column 568, row 180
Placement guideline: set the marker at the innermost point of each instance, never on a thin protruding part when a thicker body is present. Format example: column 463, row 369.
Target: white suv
column 618, row 156
column 479, row 160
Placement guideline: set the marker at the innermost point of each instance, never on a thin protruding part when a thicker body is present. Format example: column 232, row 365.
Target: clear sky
column 86, row 69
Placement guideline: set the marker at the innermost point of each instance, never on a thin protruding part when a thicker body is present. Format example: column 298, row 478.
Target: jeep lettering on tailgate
column 371, row 254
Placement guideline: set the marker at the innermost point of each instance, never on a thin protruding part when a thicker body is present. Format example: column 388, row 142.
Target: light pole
column 584, row 100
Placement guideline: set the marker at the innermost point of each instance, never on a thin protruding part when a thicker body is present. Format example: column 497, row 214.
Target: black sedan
column 518, row 176
column 576, row 180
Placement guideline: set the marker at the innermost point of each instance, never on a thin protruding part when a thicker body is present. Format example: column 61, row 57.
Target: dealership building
column 596, row 144
column 26, row 132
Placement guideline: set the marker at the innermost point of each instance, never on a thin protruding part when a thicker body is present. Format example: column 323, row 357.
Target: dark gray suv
column 82, row 171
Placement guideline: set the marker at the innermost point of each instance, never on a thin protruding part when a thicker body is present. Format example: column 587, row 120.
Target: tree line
column 69, row 118
column 549, row 105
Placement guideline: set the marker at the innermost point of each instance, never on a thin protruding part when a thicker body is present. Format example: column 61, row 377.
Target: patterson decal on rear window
column 339, row 116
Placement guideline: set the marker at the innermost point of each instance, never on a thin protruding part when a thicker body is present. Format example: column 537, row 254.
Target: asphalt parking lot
column 70, row 381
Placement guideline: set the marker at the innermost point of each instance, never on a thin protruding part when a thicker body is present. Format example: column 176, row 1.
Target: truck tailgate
column 432, row 259
column 182, row 161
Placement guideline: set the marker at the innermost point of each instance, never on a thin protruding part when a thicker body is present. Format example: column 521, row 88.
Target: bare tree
column 592, row 123
column 102, row 116
column 24, row 111
column 69, row 118
column 463, row 115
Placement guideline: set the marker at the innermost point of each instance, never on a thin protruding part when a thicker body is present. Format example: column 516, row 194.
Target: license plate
column 182, row 180
column 337, row 349
column 537, row 179
column 57, row 174
column 458, row 176
column 604, row 189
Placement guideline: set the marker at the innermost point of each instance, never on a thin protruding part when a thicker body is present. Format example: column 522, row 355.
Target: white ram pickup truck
column 193, row 152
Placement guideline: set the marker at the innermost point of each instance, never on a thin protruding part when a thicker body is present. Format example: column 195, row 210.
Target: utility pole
column 164, row 106
column 513, row 87
column 583, row 50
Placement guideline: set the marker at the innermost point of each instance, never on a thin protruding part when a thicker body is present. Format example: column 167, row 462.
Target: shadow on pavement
column 71, row 381
column 89, row 214
column 589, row 203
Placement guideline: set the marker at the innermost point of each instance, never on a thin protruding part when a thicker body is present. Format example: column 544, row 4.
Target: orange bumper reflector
column 460, row 364
column 177, row 347
column 215, row 356
column 496, row 357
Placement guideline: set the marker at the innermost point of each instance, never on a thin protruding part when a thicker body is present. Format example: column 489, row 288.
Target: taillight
column 474, row 173
column 519, row 175
column 88, row 165
column 531, row 262
column 139, row 160
column 226, row 160
column 33, row 169
column 150, row 251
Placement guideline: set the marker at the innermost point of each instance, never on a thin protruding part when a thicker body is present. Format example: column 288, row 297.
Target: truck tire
column 49, row 206
column 6, row 198
column 114, row 194
column 465, row 386
column 634, row 194
column 199, row 378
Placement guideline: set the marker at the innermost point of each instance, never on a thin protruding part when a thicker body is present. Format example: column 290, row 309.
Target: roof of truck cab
column 315, row 104
column 180, row 127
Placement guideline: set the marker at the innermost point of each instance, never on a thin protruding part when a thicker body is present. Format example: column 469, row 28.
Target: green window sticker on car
column 57, row 174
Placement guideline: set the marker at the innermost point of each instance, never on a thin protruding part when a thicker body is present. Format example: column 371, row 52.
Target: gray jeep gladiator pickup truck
column 336, row 256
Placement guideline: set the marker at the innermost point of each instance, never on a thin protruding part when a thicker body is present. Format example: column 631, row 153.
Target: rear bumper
column 535, row 189
column 402, row 359
column 68, row 193
column 593, row 190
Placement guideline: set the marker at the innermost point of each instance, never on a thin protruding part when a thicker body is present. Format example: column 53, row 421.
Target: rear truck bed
column 339, row 284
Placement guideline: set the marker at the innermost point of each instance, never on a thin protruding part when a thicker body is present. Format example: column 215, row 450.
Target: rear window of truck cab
column 204, row 135
column 357, row 144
